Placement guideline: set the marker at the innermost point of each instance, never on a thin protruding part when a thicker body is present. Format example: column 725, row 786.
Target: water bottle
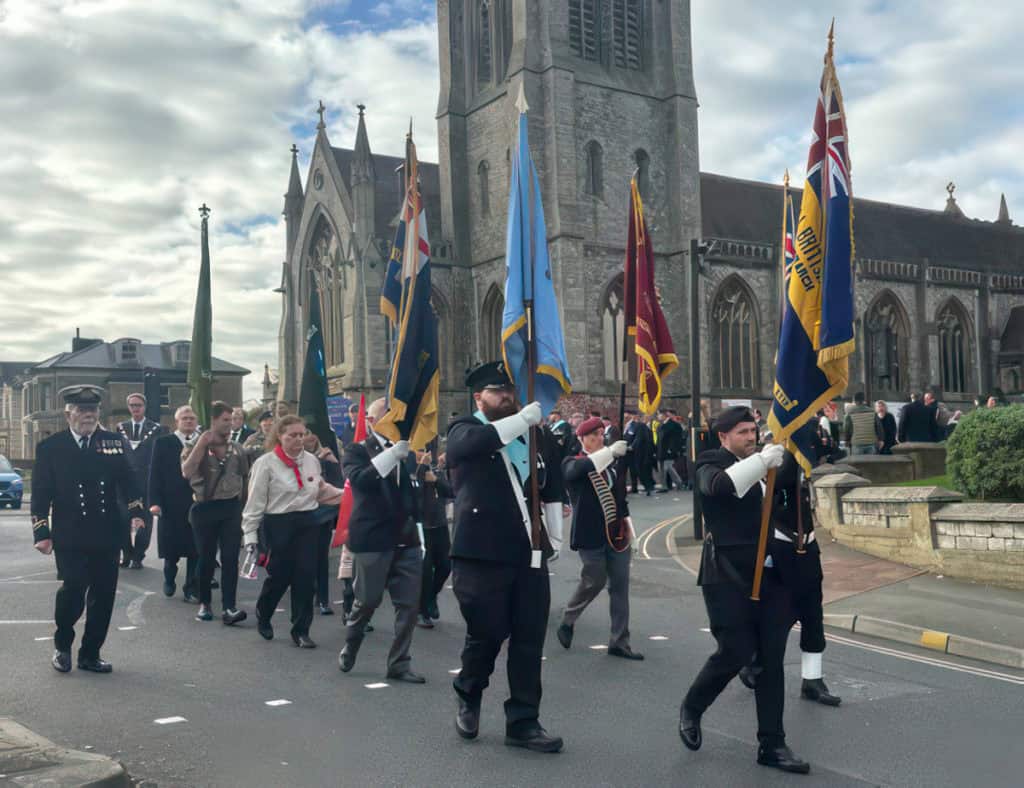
column 249, row 565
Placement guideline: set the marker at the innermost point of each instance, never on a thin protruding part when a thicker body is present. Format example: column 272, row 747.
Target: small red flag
column 645, row 321
column 345, row 510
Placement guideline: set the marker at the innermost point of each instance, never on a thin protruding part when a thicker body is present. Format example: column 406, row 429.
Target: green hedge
column 985, row 453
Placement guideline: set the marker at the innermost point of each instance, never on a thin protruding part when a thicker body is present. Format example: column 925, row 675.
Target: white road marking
column 126, row 629
column 134, row 611
column 278, row 702
column 705, row 629
column 598, row 648
column 45, row 638
column 169, row 720
column 278, row 609
column 150, row 593
column 657, row 637
column 27, row 621
column 455, row 671
column 376, row 685
column 22, row 577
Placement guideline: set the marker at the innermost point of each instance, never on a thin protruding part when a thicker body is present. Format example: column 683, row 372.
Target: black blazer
column 384, row 514
column 641, row 443
column 918, row 422
column 169, row 490
column 488, row 520
column 83, row 488
column 670, row 440
column 588, row 529
column 732, row 521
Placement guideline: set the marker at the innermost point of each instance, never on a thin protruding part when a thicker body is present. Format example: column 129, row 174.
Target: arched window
column 613, row 327
column 734, row 337
column 886, row 330
column 643, row 177
column 484, row 59
column 483, row 176
column 326, row 269
column 954, row 347
column 440, row 307
column 490, row 324
column 595, row 169
column 585, row 28
column 627, row 33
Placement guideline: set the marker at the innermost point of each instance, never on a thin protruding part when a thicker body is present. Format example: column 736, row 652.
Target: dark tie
column 83, row 442
column 135, row 430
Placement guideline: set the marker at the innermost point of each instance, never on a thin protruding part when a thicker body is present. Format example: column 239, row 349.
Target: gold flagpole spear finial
column 831, row 40
column 785, row 178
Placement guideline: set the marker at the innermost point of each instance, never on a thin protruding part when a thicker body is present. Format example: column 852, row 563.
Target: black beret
column 493, row 373
column 265, row 415
column 727, row 419
column 81, row 395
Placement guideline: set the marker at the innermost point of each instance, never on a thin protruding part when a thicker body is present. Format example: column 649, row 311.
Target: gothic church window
column 627, row 34
column 585, row 28
column 643, row 166
column 734, row 337
column 613, row 327
column 483, row 173
column 595, row 169
column 326, row 270
column 484, row 73
column 490, row 324
column 886, row 330
column 954, row 347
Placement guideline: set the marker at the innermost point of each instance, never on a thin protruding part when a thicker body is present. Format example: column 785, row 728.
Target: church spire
column 293, row 200
column 1004, row 212
column 362, row 157
column 363, row 177
column 951, row 207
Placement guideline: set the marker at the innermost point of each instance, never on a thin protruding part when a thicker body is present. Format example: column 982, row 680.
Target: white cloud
column 121, row 117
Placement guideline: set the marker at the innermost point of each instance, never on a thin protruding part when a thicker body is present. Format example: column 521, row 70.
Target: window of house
column 182, row 351
column 129, row 351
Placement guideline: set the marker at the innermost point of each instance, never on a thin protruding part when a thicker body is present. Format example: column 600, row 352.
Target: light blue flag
column 529, row 278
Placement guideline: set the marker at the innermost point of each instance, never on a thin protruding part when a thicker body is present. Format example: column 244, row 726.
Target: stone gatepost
column 929, row 458
column 829, row 491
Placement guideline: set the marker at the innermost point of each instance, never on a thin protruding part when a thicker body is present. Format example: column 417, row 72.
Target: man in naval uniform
column 80, row 473
column 141, row 434
column 730, row 483
column 500, row 579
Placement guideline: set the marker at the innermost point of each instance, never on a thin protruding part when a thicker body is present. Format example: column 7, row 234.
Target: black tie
column 84, row 442
column 135, row 430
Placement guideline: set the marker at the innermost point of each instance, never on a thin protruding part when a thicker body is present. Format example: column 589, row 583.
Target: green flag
column 313, row 393
column 200, row 360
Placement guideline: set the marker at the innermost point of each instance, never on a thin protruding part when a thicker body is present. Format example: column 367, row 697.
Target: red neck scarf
column 289, row 462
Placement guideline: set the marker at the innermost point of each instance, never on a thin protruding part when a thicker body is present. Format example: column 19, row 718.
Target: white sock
column 810, row 665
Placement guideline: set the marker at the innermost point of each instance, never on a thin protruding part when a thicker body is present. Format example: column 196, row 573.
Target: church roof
column 752, row 211
column 388, row 192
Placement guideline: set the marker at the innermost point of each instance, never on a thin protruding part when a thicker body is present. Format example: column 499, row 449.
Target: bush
column 985, row 453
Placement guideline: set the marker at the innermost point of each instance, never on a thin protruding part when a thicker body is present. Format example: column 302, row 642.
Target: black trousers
column 292, row 540
column 191, row 583
column 502, row 602
column 90, row 582
column 641, row 472
column 218, row 524
column 323, row 554
column 742, row 628
column 437, row 566
column 802, row 573
column 137, row 551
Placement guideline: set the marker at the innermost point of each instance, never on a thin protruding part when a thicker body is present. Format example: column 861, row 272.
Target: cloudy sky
column 120, row 117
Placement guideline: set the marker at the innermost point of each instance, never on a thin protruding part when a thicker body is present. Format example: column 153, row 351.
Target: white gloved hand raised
column 401, row 449
column 386, row 461
column 532, row 414
column 511, row 427
column 619, row 448
column 773, row 454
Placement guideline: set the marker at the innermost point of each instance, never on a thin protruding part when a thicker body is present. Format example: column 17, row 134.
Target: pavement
column 200, row 704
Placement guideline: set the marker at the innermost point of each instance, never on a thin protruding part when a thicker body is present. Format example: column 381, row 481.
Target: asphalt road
column 908, row 718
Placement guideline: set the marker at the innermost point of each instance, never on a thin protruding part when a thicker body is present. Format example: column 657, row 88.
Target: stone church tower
column 610, row 88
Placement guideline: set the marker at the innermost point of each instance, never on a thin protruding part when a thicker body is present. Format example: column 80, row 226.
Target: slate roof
column 388, row 192
column 752, row 211
column 103, row 356
column 9, row 370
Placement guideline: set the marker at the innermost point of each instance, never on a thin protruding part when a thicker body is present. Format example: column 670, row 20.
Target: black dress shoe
column 125, row 563
column 408, row 676
column 781, row 757
column 433, row 612
column 230, row 617
column 61, row 661
column 625, row 653
column 689, row 728
column 564, row 635
column 94, row 665
column 346, row 660
column 263, row 627
column 135, row 564
column 302, row 641
column 424, row 622
column 748, row 675
column 536, row 739
column 815, row 689
column 467, row 718
column 169, row 588
column 204, row 614
column 367, row 629
column 326, row 610
column 214, row 583
column 191, row 598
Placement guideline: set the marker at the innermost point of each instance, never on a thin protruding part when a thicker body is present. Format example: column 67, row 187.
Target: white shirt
column 273, row 489
column 78, row 438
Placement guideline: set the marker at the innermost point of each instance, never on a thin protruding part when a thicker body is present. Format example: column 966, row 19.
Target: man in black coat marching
column 141, row 433
column 499, row 579
column 170, row 498
column 81, row 472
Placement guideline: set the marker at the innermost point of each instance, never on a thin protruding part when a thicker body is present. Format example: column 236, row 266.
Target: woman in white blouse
column 285, row 488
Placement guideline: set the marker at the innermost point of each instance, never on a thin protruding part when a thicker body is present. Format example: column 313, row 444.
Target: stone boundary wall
column 927, row 527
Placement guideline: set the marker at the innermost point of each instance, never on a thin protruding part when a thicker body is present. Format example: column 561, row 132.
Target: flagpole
column 625, row 328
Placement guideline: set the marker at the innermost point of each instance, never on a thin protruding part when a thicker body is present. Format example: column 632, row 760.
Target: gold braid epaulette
column 136, row 504
column 42, row 522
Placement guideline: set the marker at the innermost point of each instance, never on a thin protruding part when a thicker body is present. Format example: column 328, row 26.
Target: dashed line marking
column 45, row 638
column 126, row 629
column 376, row 685
column 169, row 720
column 27, row 621
column 657, row 637
column 278, row 702
column 598, row 648
column 705, row 629
column 455, row 671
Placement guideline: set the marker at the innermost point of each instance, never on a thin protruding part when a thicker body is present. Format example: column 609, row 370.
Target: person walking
column 141, row 433
column 861, row 429
column 434, row 492
column 326, row 518
column 886, row 426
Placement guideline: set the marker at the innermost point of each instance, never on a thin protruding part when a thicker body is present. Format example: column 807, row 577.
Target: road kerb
column 26, row 758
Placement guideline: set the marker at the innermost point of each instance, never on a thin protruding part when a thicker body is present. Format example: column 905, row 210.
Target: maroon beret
column 588, row 426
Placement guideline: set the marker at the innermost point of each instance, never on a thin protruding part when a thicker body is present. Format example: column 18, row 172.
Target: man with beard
column 81, row 472
column 170, row 498
column 501, row 582
column 729, row 480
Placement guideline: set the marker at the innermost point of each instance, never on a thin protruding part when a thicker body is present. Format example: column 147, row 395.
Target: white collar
column 181, row 436
column 78, row 438
column 140, row 423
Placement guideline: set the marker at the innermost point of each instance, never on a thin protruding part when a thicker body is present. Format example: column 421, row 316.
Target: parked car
column 11, row 484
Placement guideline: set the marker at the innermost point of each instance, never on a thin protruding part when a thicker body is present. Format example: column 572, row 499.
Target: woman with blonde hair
column 285, row 488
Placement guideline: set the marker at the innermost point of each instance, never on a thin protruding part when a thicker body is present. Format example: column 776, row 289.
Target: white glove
column 619, row 448
column 251, row 539
column 511, row 427
column 746, row 473
column 773, row 454
column 602, row 458
column 386, row 461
